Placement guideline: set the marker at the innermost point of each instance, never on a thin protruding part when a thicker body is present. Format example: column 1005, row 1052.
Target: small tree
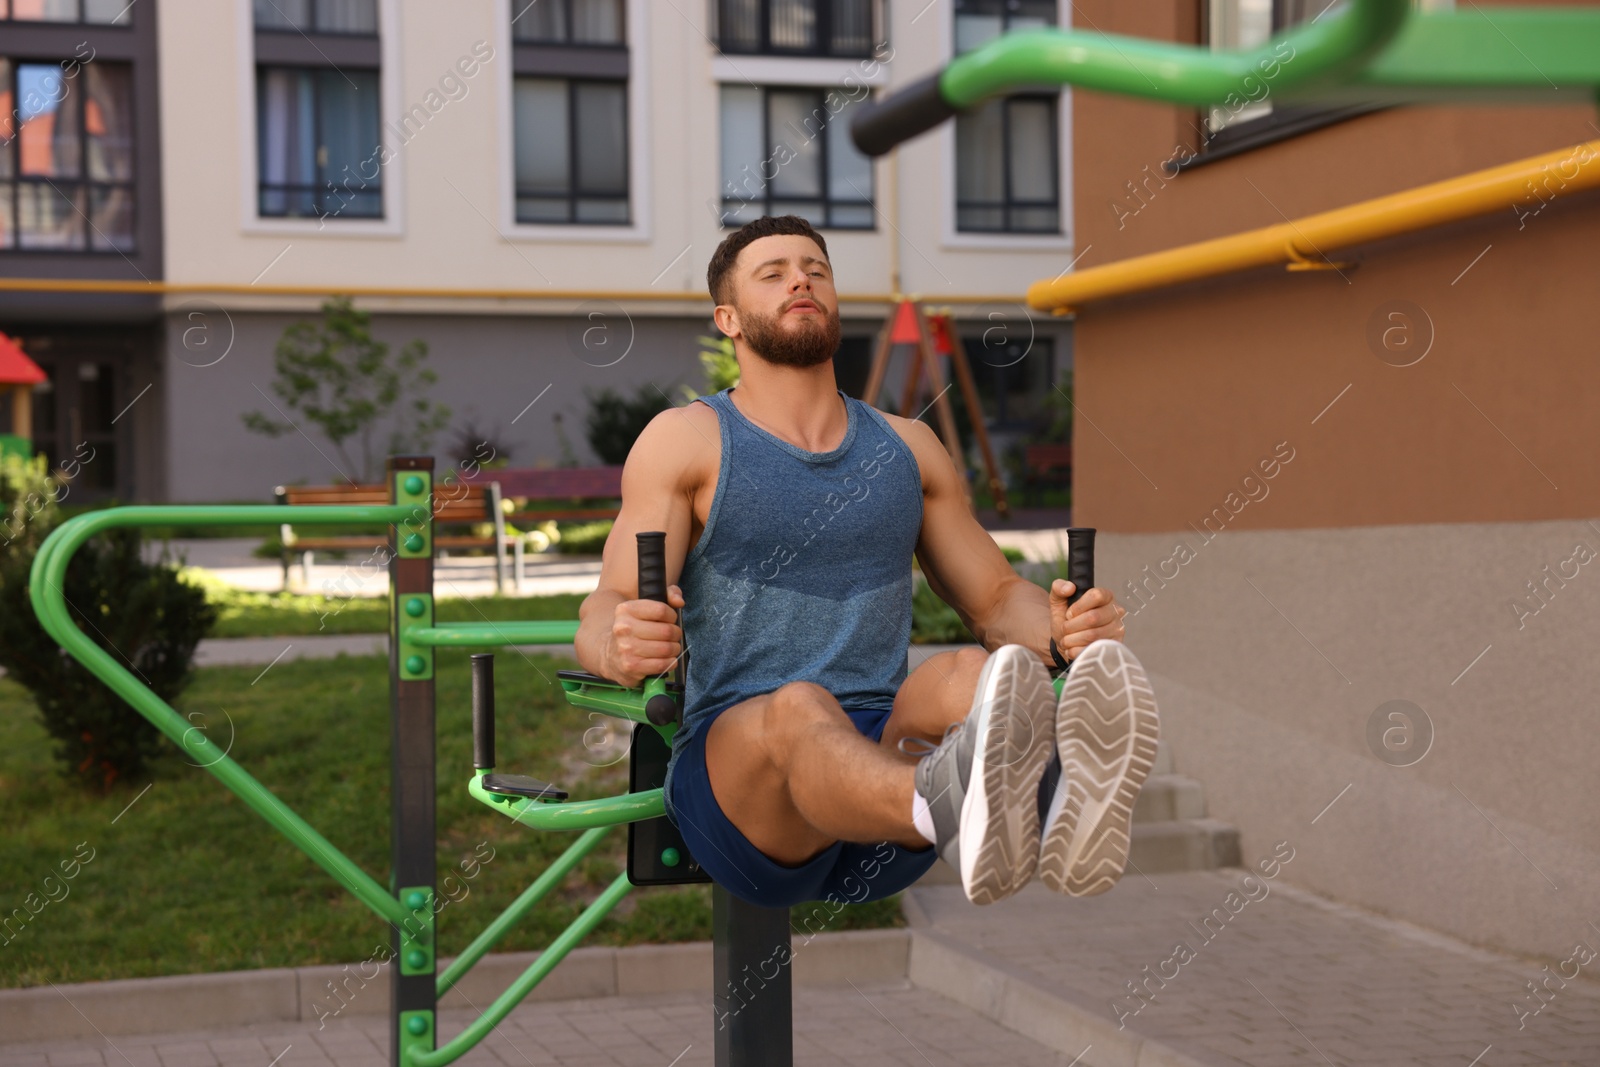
column 720, row 363
column 143, row 614
column 615, row 422
column 338, row 377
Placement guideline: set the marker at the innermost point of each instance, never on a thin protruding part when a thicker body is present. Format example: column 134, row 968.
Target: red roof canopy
column 15, row 367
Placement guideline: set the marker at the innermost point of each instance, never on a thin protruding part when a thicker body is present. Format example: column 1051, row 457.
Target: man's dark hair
column 728, row 251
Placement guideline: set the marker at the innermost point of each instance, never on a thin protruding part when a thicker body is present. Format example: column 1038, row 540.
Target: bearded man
column 809, row 765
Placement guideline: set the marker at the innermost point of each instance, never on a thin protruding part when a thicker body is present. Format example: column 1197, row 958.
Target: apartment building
column 531, row 187
column 80, row 200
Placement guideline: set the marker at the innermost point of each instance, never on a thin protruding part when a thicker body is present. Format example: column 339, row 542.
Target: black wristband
column 1055, row 654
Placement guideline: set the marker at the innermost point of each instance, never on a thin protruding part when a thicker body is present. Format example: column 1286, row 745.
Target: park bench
column 458, row 503
column 1045, row 467
column 574, row 493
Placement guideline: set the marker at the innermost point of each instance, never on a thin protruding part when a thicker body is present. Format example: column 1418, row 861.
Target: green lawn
column 187, row 879
column 245, row 614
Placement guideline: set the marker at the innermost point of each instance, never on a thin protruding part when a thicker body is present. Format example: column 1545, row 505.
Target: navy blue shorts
column 845, row 872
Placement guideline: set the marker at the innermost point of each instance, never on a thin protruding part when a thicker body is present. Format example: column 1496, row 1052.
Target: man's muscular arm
column 968, row 571
column 620, row 636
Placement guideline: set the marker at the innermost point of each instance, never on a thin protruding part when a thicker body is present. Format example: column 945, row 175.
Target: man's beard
column 806, row 345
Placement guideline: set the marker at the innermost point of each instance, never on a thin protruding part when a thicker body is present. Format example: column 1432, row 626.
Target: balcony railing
column 845, row 28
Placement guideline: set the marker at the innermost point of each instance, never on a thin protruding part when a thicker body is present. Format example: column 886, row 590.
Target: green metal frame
column 408, row 908
column 1374, row 51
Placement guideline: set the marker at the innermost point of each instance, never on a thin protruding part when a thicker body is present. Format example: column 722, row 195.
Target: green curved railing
column 596, row 818
column 1327, row 50
column 1330, row 49
column 46, row 590
column 1371, row 52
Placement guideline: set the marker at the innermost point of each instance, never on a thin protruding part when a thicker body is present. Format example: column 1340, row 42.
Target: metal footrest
column 520, row 785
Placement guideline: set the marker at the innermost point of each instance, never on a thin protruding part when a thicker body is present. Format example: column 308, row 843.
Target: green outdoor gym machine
column 1367, row 51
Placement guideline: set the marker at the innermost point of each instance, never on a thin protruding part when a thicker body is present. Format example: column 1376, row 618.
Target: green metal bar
column 480, row 1027
column 46, row 586
column 608, row 699
column 573, row 814
column 1532, row 55
column 513, row 914
column 1330, row 49
column 490, row 634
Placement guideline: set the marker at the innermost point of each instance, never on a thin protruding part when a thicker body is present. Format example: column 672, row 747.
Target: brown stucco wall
column 1421, row 539
column 1183, row 391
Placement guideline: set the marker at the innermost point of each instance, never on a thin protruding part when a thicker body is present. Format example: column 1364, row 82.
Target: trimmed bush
column 143, row 614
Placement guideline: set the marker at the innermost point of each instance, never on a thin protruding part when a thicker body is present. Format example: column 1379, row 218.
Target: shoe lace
column 922, row 745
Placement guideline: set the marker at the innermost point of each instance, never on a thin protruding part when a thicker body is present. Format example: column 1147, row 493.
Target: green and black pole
column 411, row 707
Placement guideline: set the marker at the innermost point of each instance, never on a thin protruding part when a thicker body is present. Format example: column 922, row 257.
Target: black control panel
column 656, row 852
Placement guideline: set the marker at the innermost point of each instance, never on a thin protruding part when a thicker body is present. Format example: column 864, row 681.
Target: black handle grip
column 661, row 709
column 483, row 710
column 879, row 125
column 652, row 565
column 1080, row 561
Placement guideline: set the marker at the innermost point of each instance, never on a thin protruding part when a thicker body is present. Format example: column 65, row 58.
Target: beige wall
column 1271, row 651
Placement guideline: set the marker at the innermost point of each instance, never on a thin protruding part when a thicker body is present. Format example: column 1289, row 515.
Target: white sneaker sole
column 1106, row 732
column 1012, row 710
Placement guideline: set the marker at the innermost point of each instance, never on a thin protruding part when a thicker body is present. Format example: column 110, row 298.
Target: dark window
column 1007, row 172
column 979, row 21
column 798, row 27
column 351, row 17
column 1008, row 151
column 93, row 12
column 582, row 22
column 1015, row 377
column 66, row 157
column 318, row 144
column 570, row 112
column 852, row 364
column 788, row 152
column 571, row 151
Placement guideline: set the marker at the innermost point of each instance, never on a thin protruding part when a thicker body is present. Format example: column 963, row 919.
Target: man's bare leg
column 794, row 775
column 936, row 694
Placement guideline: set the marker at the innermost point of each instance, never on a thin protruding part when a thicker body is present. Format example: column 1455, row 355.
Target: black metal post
column 753, row 986
column 411, row 831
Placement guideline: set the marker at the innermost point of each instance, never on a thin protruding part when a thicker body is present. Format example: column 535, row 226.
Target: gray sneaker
column 1106, row 732
column 982, row 782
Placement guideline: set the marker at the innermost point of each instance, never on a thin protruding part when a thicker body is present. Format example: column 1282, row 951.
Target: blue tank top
column 803, row 570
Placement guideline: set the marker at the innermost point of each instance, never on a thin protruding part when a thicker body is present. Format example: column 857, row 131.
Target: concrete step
column 1170, row 797
column 1016, row 999
column 1183, row 845
column 1158, row 848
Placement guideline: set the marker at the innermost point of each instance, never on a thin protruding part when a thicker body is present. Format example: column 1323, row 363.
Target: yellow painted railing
column 401, row 292
column 1521, row 188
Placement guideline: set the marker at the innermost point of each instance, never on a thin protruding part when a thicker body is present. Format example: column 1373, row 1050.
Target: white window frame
column 640, row 122
column 801, row 72
column 953, row 238
column 251, row 221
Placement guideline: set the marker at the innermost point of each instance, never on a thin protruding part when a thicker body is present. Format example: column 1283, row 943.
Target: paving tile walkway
column 1289, row 980
column 870, row 1026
